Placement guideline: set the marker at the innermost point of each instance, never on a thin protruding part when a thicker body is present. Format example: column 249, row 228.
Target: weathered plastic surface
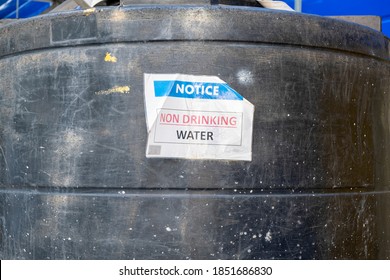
column 75, row 182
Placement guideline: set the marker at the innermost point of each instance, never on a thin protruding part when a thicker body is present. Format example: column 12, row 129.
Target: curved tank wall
column 75, row 182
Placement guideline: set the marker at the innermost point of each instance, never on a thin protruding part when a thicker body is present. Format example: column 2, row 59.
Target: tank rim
column 151, row 23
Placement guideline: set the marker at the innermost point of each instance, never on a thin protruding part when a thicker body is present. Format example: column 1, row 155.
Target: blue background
column 350, row 8
column 27, row 8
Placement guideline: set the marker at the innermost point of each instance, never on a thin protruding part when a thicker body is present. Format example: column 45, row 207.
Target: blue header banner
column 195, row 90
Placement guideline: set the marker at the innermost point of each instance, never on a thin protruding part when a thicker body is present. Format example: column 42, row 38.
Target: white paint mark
column 245, row 77
column 268, row 236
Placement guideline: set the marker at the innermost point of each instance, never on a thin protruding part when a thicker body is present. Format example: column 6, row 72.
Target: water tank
column 75, row 181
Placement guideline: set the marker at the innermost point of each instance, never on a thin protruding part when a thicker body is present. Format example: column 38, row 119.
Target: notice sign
column 196, row 117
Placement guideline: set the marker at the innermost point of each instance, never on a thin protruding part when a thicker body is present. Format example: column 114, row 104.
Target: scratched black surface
column 190, row 225
column 307, row 133
column 75, row 182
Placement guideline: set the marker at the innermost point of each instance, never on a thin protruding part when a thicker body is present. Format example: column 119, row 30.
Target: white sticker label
column 196, row 117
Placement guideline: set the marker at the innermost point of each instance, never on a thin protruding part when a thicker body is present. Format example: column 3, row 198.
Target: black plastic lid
column 190, row 23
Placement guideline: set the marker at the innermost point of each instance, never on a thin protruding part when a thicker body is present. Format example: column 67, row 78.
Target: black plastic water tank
column 74, row 179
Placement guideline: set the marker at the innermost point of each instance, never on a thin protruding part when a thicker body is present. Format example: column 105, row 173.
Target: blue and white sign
column 196, row 117
column 197, row 90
